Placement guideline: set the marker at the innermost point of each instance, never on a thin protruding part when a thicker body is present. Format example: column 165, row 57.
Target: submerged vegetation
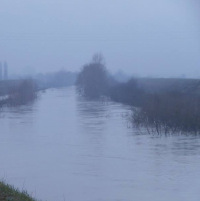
column 169, row 112
column 9, row 193
column 171, row 108
column 166, row 111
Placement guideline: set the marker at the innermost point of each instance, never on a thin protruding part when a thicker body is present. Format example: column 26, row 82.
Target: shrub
column 24, row 92
column 170, row 112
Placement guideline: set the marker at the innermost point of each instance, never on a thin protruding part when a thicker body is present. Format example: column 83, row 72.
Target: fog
column 158, row 38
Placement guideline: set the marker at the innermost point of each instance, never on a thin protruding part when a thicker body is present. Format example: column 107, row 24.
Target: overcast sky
column 141, row 37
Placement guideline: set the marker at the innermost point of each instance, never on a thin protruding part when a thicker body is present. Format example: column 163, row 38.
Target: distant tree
column 22, row 93
column 92, row 81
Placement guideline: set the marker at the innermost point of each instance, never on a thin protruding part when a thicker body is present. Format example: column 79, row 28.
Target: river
column 65, row 148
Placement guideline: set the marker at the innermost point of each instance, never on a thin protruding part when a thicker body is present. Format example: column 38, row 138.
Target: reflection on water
column 92, row 115
column 63, row 147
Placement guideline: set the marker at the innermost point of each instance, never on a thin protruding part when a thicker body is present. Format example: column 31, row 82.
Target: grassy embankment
column 9, row 193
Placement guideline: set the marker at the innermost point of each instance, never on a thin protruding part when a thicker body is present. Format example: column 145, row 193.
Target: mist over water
column 63, row 147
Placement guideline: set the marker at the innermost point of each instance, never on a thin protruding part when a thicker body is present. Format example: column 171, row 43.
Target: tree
column 92, row 81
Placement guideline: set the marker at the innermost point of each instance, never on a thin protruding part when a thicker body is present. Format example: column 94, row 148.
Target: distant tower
column 1, row 71
column 5, row 74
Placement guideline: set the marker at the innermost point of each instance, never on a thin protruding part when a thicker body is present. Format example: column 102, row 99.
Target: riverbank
column 164, row 105
column 8, row 192
column 21, row 93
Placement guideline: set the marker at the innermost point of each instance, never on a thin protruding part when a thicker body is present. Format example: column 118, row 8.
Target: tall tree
column 92, row 81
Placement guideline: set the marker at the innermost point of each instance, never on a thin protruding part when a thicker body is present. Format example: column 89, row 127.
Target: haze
column 146, row 38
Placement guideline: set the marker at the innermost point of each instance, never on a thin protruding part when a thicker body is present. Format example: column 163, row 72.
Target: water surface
column 64, row 148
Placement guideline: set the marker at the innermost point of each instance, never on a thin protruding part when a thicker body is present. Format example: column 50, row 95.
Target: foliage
column 127, row 93
column 23, row 93
column 92, row 81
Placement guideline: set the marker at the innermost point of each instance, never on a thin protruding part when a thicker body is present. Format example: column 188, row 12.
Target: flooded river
column 64, row 148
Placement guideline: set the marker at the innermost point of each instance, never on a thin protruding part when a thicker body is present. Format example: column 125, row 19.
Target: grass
column 10, row 193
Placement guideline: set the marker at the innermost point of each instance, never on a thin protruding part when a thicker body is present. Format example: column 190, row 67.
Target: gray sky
column 142, row 37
